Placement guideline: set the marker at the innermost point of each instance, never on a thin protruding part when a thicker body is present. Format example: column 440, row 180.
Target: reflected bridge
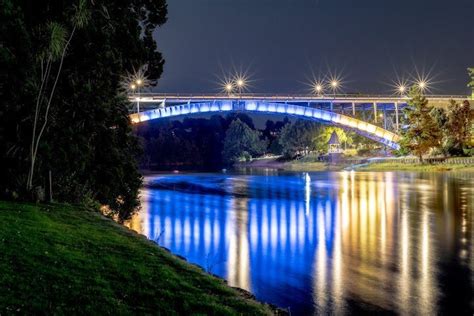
column 375, row 117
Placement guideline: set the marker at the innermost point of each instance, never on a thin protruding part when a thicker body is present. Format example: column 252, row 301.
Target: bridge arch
column 305, row 112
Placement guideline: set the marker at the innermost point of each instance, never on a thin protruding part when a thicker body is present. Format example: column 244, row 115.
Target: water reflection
column 324, row 242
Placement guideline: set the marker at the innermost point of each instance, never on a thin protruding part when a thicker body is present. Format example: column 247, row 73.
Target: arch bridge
column 375, row 117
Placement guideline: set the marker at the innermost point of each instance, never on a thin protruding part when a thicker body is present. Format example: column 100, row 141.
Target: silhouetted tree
column 241, row 142
column 87, row 143
column 299, row 137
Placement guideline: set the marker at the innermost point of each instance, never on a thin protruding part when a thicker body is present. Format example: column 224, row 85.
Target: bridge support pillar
column 353, row 109
column 396, row 117
column 375, row 112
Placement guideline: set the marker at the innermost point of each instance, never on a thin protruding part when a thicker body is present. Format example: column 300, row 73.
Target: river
column 324, row 242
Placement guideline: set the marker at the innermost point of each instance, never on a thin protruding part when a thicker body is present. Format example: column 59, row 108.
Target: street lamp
column 334, row 85
column 240, row 82
column 229, row 87
column 318, row 88
column 138, row 84
column 422, row 85
column 402, row 89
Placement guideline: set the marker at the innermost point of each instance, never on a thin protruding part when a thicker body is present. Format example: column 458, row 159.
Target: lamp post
column 133, row 87
column 422, row 85
column 318, row 88
column 240, row 84
column 334, row 86
column 139, row 83
column 228, row 88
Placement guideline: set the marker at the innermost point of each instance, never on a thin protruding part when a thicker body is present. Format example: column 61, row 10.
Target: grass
column 305, row 166
column 398, row 166
column 60, row 259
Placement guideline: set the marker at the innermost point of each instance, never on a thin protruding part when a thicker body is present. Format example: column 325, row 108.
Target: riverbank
column 399, row 166
column 59, row 259
column 294, row 165
column 308, row 165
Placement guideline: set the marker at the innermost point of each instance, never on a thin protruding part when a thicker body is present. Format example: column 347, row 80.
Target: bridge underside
column 368, row 130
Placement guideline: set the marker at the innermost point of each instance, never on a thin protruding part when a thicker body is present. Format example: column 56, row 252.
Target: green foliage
column 422, row 133
column 458, row 128
column 55, row 40
column 471, row 75
column 298, row 138
column 66, row 260
column 88, row 143
column 455, row 125
column 324, row 134
column 241, row 143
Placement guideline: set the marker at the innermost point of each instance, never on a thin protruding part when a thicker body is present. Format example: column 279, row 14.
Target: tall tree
column 241, row 142
column 471, row 83
column 298, row 137
column 440, row 116
column 55, row 43
column 422, row 132
column 458, row 127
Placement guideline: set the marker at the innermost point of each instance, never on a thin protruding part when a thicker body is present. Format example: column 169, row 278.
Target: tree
column 271, row 133
column 422, row 132
column 87, row 143
column 471, row 83
column 241, row 142
column 440, row 116
column 458, row 127
column 298, row 138
column 56, row 43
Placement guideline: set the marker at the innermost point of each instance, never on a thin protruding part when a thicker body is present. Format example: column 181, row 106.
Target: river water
column 324, row 242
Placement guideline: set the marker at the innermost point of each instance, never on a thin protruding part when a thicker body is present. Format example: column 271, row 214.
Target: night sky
column 281, row 43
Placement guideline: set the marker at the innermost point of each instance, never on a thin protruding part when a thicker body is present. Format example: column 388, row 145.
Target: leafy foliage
column 471, row 75
column 298, row 138
column 88, row 144
column 422, row 133
column 324, row 134
column 458, row 127
column 241, row 142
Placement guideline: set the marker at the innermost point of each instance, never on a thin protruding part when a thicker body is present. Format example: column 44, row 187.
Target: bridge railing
column 161, row 96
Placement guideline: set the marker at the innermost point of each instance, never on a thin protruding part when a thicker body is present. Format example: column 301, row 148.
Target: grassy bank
column 294, row 165
column 309, row 166
column 63, row 259
column 398, row 166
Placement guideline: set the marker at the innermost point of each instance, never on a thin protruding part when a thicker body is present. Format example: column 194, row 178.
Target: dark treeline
column 199, row 142
column 219, row 141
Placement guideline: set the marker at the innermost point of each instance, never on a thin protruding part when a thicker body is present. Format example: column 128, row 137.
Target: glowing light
column 318, row 88
column 402, row 89
column 422, row 84
column 334, row 83
column 133, row 86
column 424, row 80
column 229, row 87
column 139, row 81
column 240, row 83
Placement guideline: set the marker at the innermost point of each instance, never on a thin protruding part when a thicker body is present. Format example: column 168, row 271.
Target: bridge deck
column 342, row 98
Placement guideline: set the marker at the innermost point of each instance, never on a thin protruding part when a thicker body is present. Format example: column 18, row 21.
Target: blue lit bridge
column 375, row 117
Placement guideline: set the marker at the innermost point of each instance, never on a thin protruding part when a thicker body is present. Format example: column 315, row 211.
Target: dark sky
column 282, row 42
